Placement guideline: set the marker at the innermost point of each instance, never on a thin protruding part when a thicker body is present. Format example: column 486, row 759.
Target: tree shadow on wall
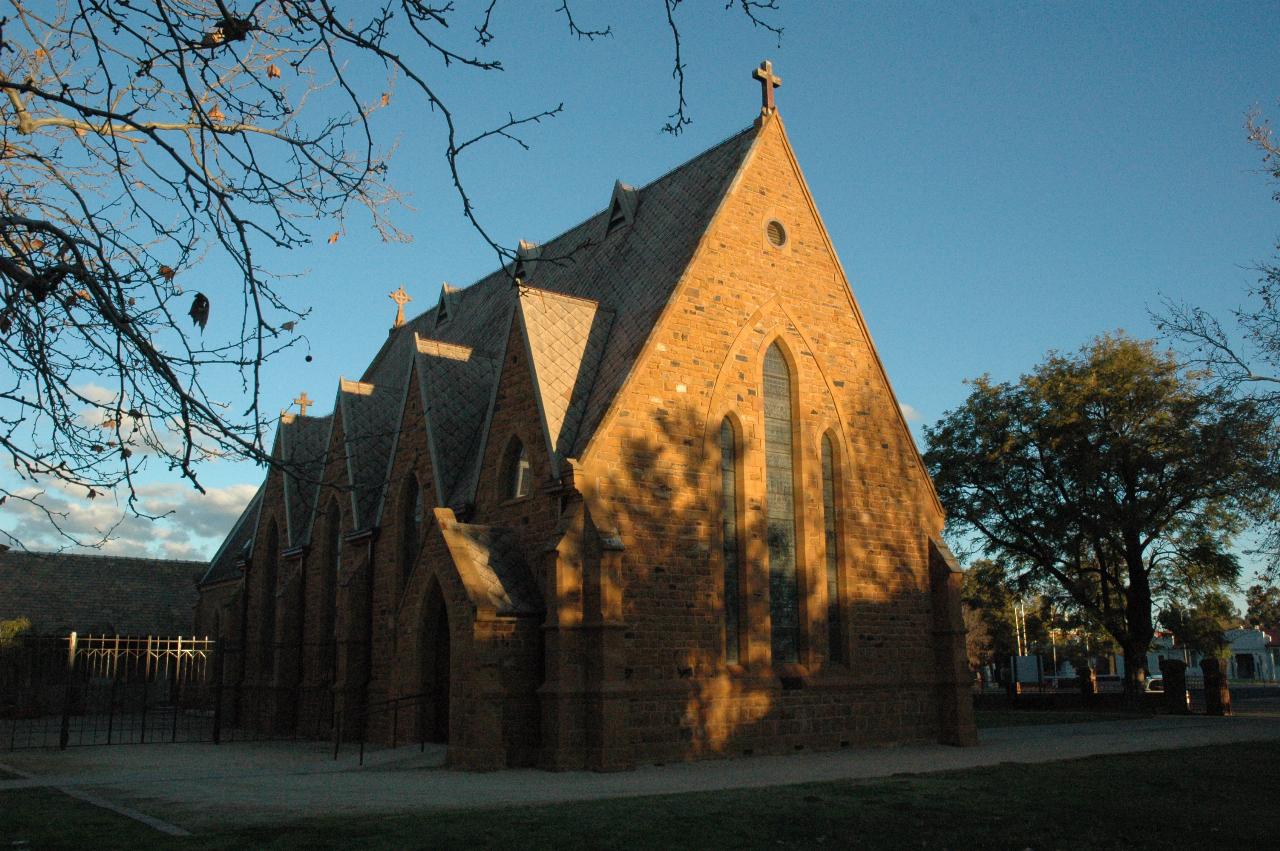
column 665, row 494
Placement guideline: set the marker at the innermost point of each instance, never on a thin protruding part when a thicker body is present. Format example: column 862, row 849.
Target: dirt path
column 200, row 785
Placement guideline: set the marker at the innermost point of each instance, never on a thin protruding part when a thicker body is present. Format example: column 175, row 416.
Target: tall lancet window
column 835, row 629
column 410, row 526
column 784, row 592
column 729, row 536
column 267, row 637
column 329, row 624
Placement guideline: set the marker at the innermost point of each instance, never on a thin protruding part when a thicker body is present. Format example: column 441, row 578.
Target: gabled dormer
column 622, row 206
column 527, row 254
column 447, row 306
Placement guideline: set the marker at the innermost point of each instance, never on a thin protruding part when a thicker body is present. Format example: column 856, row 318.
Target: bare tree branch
column 139, row 140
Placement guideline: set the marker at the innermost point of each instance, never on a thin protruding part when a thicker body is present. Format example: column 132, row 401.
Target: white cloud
column 192, row 526
column 909, row 413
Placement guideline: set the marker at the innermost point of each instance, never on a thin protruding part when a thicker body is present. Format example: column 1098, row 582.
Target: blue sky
column 999, row 179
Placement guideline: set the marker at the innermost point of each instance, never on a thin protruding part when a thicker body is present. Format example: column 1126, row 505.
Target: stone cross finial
column 401, row 298
column 768, row 82
column 303, row 403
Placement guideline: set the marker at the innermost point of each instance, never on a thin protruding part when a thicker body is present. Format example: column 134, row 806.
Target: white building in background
column 1251, row 659
column 1254, row 654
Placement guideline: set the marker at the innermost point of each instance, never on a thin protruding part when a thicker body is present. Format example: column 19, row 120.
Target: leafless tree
column 139, row 138
column 1250, row 359
column 1245, row 354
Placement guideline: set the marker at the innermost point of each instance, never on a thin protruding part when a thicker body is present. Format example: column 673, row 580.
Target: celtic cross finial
column 401, row 298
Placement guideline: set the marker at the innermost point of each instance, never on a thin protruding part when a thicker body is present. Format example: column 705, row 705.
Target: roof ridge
column 97, row 556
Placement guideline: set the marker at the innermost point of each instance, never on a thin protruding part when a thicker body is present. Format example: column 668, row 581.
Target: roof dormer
column 527, row 254
column 622, row 206
column 447, row 306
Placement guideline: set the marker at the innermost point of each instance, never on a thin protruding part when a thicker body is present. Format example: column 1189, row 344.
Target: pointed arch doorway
column 436, row 667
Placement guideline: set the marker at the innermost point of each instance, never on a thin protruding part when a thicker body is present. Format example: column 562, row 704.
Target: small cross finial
column 401, row 298
column 768, row 82
column 303, row 403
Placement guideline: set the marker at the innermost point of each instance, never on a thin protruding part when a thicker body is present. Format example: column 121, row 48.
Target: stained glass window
column 835, row 630
column 784, row 593
column 333, row 522
column 729, row 525
column 411, row 526
column 268, row 645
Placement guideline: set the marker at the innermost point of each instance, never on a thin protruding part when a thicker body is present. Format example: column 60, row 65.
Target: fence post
column 64, row 733
column 395, row 722
column 217, row 693
column 142, row 737
column 337, row 736
column 111, row 699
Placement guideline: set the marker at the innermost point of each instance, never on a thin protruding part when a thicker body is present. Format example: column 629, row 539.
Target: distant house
column 99, row 594
column 1250, row 659
column 1253, row 654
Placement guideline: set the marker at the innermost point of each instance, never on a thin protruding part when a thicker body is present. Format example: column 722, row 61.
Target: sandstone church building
column 642, row 495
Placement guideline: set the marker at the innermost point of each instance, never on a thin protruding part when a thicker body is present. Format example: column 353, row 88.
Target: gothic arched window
column 729, row 536
column 329, row 584
column 779, row 453
column 267, row 635
column 516, row 473
column 835, row 627
column 411, row 512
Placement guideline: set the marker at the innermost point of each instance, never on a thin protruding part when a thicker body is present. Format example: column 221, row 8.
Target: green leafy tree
column 1200, row 625
column 11, row 629
column 1263, row 602
column 1111, row 475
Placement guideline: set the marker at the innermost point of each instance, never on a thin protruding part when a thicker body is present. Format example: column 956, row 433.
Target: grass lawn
column 1182, row 798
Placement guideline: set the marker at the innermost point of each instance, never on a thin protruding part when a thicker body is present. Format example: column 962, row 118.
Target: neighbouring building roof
column 99, row 594
column 587, row 302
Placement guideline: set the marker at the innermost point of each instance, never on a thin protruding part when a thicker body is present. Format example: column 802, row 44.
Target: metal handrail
column 367, row 711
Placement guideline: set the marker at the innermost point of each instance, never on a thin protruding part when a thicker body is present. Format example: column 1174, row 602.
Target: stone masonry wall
column 655, row 462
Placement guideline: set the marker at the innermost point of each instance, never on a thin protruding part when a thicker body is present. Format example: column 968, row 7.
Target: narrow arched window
column 333, row 540
column 329, row 586
column 516, row 472
column 784, row 591
column 729, row 536
column 410, row 526
column 267, row 636
column 835, row 627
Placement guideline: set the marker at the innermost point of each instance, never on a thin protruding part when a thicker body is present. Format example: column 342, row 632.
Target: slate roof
column 235, row 548
column 457, row 385
column 493, row 558
column 566, row 337
column 60, row 592
column 588, row 303
column 369, row 422
column 630, row 272
column 303, row 443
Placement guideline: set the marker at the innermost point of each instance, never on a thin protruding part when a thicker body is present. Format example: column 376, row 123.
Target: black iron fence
column 97, row 689
column 78, row 690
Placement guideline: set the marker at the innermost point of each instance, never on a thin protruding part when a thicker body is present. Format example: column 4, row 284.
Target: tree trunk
column 1135, row 659
column 1141, row 628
